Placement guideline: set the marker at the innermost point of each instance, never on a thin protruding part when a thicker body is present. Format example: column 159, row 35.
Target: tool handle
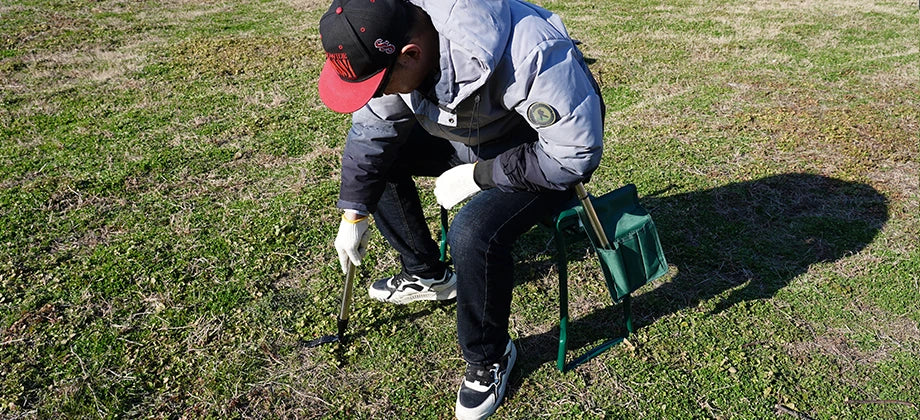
column 345, row 310
column 592, row 215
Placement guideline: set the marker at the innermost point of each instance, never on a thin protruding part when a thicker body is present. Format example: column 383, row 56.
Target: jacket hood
column 473, row 36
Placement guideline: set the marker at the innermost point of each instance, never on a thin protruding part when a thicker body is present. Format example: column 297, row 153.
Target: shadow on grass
column 751, row 238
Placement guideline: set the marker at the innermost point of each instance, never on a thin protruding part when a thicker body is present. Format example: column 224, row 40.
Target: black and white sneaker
column 404, row 288
column 484, row 387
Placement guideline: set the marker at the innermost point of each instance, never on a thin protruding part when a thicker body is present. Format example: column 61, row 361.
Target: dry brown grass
column 894, row 333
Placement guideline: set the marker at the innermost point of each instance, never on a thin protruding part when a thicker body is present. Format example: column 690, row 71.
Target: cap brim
column 343, row 96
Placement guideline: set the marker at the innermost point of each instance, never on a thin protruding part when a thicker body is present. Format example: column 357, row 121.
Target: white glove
column 351, row 242
column 455, row 185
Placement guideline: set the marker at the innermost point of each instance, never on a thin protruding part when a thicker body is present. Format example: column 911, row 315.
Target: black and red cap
column 362, row 39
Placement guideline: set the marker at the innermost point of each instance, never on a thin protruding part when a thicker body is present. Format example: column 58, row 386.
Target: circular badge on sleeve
column 541, row 114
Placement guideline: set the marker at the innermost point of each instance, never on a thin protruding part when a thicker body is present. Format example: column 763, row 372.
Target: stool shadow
column 750, row 237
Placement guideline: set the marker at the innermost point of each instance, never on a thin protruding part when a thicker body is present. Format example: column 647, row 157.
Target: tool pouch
column 634, row 257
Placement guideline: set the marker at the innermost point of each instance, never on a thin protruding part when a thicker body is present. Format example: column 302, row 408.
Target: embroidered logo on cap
column 541, row 114
column 385, row 46
column 342, row 65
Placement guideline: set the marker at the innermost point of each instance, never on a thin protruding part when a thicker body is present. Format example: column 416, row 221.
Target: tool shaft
column 345, row 309
column 582, row 194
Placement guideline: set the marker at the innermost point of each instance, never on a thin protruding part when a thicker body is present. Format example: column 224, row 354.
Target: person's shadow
column 751, row 238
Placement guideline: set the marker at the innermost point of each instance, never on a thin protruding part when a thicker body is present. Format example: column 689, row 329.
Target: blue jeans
column 480, row 237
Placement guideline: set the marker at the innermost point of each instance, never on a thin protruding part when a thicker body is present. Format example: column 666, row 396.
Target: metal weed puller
column 344, row 310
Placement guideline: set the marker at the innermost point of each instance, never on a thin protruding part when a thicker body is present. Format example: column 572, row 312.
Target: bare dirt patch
column 899, row 179
column 891, row 332
column 52, row 71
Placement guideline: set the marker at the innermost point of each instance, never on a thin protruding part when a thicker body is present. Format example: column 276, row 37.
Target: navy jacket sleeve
column 377, row 132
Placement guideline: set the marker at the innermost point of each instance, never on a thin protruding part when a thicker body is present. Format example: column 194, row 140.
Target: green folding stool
column 626, row 243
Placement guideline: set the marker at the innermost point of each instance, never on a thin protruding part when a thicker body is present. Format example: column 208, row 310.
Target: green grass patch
column 168, row 178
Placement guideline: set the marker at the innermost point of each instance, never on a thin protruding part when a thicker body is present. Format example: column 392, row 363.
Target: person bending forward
column 494, row 99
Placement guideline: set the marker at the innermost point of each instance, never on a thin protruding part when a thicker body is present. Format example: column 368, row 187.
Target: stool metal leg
column 562, row 265
column 595, row 226
column 627, row 313
column 443, row 234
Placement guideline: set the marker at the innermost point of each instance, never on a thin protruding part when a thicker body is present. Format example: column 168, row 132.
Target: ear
column 412, row 51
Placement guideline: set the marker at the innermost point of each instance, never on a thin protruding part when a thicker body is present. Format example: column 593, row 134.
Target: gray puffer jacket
column 501, row 61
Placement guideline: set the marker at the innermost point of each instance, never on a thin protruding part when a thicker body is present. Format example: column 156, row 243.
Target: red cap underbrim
column 343, row 96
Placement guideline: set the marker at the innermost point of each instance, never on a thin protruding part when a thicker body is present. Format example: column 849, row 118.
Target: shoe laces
column 485, row 375
column 400, row 278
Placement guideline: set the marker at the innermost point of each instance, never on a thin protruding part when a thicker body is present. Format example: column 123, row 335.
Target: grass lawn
column 168, row 178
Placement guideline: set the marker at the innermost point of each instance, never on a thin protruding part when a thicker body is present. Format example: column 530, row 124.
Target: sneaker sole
column 416, row 297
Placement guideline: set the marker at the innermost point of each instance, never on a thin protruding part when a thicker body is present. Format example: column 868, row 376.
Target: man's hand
column 351, row 242
column 455, row 185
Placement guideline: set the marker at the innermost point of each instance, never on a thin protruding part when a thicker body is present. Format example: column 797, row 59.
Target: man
column 494, row 99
